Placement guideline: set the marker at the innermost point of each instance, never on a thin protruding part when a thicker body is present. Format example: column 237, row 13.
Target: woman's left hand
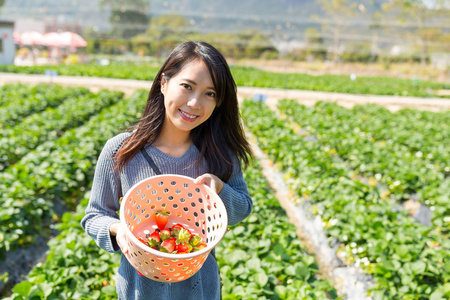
column 210, row 180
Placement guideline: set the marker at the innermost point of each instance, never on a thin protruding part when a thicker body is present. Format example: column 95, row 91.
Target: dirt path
column 128, row 86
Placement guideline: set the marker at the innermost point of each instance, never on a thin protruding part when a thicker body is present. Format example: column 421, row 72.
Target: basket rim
column 146, row 248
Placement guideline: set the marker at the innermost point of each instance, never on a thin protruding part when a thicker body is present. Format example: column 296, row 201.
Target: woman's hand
column 210, row 180
column 116, row 230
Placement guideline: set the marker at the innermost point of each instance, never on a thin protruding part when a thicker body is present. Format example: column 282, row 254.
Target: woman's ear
column 163, row 83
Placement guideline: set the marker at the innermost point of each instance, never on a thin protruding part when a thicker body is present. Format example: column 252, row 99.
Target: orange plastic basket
column 195, row 206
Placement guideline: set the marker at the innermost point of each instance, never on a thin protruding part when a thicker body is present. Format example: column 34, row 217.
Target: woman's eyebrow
column 195, row 83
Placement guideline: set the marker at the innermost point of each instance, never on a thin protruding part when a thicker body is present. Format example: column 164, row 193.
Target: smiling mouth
column 188, row 116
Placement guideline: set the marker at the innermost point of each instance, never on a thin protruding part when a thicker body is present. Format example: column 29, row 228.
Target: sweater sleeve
column 104, row 203
column 236, row 198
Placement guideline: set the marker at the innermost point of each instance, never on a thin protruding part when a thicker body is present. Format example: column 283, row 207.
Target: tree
column 128, row 17
column 338, row 12
column 420, row 16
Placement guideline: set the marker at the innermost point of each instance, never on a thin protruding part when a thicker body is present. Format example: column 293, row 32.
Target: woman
column 190, row 126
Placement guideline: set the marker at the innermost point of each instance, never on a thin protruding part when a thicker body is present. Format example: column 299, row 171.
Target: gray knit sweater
column 104, row 204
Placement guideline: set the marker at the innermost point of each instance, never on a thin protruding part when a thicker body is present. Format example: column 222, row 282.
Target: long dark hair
column 220, row 138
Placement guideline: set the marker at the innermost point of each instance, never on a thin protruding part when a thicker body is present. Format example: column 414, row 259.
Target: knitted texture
column 107, row 188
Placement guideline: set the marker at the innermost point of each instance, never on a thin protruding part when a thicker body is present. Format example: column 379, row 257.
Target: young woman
column 190, row 126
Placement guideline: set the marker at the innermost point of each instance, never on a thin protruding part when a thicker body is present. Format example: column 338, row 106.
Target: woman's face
column 189, row 97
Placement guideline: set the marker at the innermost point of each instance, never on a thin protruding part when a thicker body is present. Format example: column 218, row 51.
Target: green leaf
column 437, row 295
column 23, row 288
column 281, row 291
column 261, row 279
column 109, row 290
column 418, row 267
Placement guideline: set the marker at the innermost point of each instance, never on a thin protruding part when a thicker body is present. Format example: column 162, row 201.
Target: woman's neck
column 173, row 143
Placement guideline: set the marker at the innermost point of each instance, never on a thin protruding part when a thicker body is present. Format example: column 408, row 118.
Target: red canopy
column 63, row 39
column 31, row 38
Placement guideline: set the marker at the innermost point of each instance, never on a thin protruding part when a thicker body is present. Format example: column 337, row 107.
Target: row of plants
column 402, row 168
column 52, row 123
column 12, row 91
column 406, row 259
column 247, row 76
column 260, row 257
column 28, row 100
column 57, row 170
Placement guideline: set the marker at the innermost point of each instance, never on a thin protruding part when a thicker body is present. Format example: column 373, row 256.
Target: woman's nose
column 194, row 102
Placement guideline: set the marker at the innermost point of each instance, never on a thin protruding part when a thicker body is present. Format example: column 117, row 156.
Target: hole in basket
column 138, row 207
column 152, row 260
column 195, row 214
column 180, row 264
column 170, row 198
column 178, row 191
column 220, row 215
column 143, row 211
column 186, row 209
column 189, row 219
column 179, row 214
column 138, row 192
column 209, row 207
column 189, row 272
column 134, row 203
column 186, row 185
column 197, row 190
column 163, row 205
column 134, row 218
column 203, row 231
column 171, row 270
column 200, row 200
column 182, row 200
column 207, row 239
column 156, row 277
column 166, row 191
column 153, row 206
column 138, row 221
column 157, row 267
column 175, row 206
column 164, row 274
column 173, row 183
column 202, row 210
column 181, row 278
column 143, row 197
column 140, row 253
column 168, row 279
column 147, row 216
column 214, row 216
column 174, row 260
column 131, row 214
column 193, row 204
column 154, row 192
column 197, row 224
column 160, row 183
column 176, row 274
column 148, row 201
column 165, row 264
column 209, row 218
column 159, row 199
column 189, row 195
column 215, row 205
column 145, row 262
column 149, row 186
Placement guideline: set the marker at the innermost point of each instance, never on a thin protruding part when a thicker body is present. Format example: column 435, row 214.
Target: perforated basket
column 195, row 206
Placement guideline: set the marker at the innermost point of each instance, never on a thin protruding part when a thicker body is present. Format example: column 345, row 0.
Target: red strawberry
column 154, row 239
column 168, row 246
column 176, row 228
column 195, row 240
column 183, row 248
column 164, row 234
column 200, row 246
column 161, row 218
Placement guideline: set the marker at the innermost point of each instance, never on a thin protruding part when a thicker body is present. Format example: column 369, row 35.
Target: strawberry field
column 355, row 168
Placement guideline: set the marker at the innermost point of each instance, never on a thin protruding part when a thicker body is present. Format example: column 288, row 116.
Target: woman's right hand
column 116, row 230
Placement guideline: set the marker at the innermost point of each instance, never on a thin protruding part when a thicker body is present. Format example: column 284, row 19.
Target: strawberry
column 200, row 246
column 195, row 240
column 183, row 236
column 183, row 248
column 168, row 245
column 165, row 234
column 154, row 239
column 175, row 229
column 161, row 218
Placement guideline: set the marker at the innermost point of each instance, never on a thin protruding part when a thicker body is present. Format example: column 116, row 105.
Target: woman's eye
column 211, row 94
column 186, row 86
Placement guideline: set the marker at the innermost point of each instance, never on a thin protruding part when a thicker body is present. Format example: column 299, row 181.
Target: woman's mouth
column 186, row 116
